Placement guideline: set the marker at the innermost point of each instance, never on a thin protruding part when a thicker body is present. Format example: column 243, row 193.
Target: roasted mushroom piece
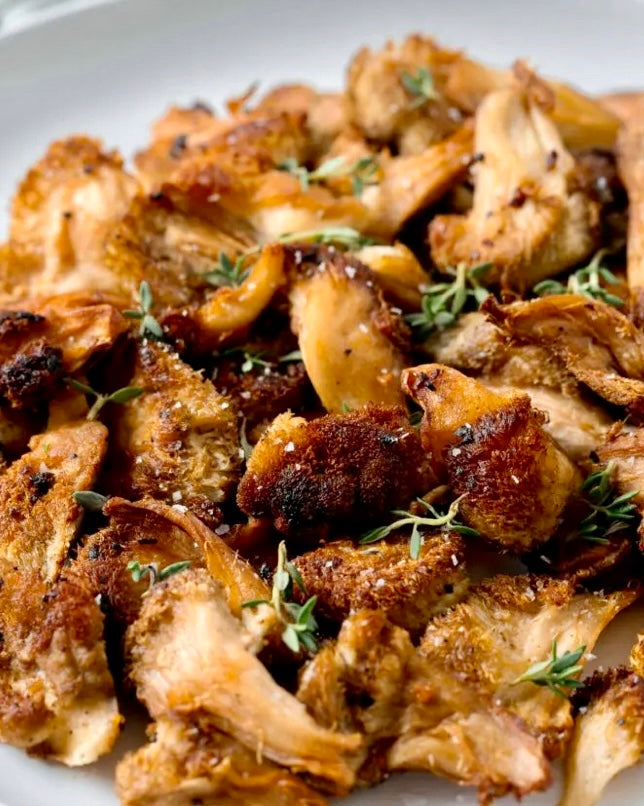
column 491, row 447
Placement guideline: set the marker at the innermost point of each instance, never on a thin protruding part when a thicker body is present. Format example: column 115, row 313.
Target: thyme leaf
column 228, row 273
column 89, row 500
column 122, row 395
column 556, row 672
column 155, row 574
column 298, row 622
column 361, row 172
column 586, row 281
column 406, row 518
column 149, row 326
column 610, row 512
column 443, row 303
column 420, row 86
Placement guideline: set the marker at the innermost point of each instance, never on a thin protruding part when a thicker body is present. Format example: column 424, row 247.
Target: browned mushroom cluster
column 265, row 399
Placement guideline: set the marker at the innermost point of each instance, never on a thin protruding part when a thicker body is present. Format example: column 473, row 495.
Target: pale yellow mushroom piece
column 347, row 335
column 233, row 309
column 582, row 121
column 399, row 273
column 526, row 217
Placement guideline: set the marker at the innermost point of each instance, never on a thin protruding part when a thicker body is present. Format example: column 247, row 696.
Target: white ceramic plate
column 112, row 69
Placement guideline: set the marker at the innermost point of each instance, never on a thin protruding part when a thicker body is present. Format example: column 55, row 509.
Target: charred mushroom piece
column 171, row 241
column 350, row 340
column 334, row 471
column 596, row 343
column 45, row 341
column 526, row 218
column 608, row 736
column 398, row 272
column 38, row 514
column 189, row 658
column 346, row 578
column 493, row 450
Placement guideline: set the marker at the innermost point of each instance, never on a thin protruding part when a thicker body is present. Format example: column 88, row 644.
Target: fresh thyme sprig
column 415, row 521
column 610, row 513
column 89, row 500
column 443, row 303
column 228, row 273
column 232, row 274
column 122, row 395
column 348, row 237
column 557, row 673
column 420, row 86
column 155, row 574
column 585, row 281
column 299, row 624
column 361, row 172
column 149, row 325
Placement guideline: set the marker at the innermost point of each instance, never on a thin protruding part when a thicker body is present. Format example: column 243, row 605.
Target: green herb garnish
column 557, row 673
column 347, row 237
column 122, row 395
column 228, row 274
column 610, row 513
column 420, row 87
column 406, row 518
column 149, row 325
column 152, row 571
column 361, row 172
column 299, row 624
column 443, row 303
column 585, row 281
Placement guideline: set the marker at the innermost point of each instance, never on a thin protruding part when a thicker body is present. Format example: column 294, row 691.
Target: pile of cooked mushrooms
column 267, row 398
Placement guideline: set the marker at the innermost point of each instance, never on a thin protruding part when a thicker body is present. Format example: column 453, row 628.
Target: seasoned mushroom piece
column 61, row 215
column 231, row 311
column 335, row 471
column 596, row 343
column 582, row 121
column 526, row 217
column 631, row 170
column 189, row 659
column 608, row 736
column 350, row 340
column 56, row 691
column 493, row 450
column 393, row 94
column 410, row 184
column 188, row 763
column 42, row 342
column 171, row 241
column 374, row 679
column 384, row 577
column 38, row 514
column 178, row 441
column 475, row 646
column 398, row 272
column 577, row 425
